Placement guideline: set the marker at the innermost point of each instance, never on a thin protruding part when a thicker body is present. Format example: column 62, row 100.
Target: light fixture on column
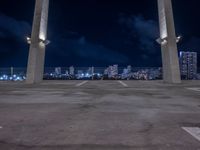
column 178, row 39
column 162, row 41
column 45, row 42
column 28, row 39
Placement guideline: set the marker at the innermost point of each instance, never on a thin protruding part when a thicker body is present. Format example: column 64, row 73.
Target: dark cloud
column 192, row 44
column 144, row 30
column 141, row 34
column 12, row 28
column 101, row 36
column 63, row 46
column 13, row 47
column 72, row 44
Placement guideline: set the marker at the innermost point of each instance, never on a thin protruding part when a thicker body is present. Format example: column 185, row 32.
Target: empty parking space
column 106, row 115
column 82, row 83
column 123, row 84
column 196, row 89
column 193, row 131
column 103, row 85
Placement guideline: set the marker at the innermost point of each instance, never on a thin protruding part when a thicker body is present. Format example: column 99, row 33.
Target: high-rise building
column 129, row 69
column 188, row 64
column 80, row 74
column 112, row 71
column 58, row 71
column 126, row 72
column 90, row 70
column 66, row 72
column 71, row 70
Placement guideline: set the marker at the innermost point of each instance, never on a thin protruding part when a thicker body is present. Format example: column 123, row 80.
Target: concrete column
column 36, row 60
column 168, row 41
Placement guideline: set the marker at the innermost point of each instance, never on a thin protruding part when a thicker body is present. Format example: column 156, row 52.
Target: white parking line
column 194, row 131
column 194, row 89
column 122, row 83
column 1, row 127
column 82, row 83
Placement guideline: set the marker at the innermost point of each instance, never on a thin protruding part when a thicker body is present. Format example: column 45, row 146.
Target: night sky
column 96, row 32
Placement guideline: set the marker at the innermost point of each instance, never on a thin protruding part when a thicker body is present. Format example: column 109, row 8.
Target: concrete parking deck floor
column 99, row 115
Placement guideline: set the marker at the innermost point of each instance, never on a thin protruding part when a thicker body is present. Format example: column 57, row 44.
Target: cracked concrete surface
column 99, row 115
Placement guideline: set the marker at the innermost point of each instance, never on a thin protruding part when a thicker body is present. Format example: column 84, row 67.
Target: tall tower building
column 58, row 70
column 112, row 71
column 71, row 70
column 129, row 68
column 188, row 64
column 115, row 70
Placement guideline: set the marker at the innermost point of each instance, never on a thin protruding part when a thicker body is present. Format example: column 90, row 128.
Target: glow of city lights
column 87, row 75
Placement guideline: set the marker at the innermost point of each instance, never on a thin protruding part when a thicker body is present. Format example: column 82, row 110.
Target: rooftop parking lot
column 100, row 115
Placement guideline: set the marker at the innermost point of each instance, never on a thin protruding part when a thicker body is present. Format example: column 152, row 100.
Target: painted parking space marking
column 82, row 83
column 194, row 89
column 1, row 127
column 122, row 83
column 194, row 131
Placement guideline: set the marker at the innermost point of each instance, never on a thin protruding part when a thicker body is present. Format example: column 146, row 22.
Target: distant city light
column 113, row 72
